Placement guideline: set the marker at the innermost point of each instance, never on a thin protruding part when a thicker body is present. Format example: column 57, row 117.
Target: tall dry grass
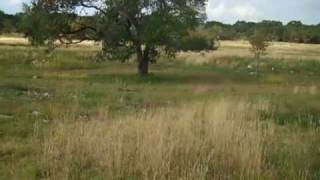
column 276, row 50
column 202, row 141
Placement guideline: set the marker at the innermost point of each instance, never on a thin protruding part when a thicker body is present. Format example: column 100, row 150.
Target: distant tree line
column 294, row 31
column 10, row 23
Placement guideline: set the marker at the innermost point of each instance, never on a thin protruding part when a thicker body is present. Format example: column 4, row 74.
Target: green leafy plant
column 259, row 45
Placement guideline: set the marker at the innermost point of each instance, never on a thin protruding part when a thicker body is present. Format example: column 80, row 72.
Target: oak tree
column 125, row 27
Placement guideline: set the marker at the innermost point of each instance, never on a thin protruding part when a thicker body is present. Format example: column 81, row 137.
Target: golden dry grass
column 226, row 139
column 13, row 40
column 200, row 141
column 24, row 41
column 276, row 50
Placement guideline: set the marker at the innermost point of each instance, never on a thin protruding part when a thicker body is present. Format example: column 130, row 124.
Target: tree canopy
column 125, row 27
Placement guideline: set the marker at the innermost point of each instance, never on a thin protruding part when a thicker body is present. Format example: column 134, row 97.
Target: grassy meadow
column 201, row 115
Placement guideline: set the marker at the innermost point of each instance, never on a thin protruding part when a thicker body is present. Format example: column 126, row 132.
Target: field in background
column 202, row 116
column 278, row 50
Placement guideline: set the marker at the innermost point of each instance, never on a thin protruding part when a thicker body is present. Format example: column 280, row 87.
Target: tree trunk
column 143, row 60
column 257, row 64
column 143, row 67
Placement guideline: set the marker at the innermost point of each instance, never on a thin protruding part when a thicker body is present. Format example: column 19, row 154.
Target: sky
column 230, row 11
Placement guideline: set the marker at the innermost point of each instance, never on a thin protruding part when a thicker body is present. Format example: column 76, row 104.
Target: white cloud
column 232, row 10
column 246, row 12
column 15, row 2
column 215, row 11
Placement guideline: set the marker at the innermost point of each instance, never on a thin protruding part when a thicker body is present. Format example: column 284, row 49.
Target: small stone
column 35, row 113
column 46, row 121
column 4, row 116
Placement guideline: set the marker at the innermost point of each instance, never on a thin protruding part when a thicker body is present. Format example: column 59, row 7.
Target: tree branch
column 93, row 7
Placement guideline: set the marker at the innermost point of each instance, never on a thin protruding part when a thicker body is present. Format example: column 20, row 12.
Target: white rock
column 46, row 121
column 35, row 113
column 4, row 116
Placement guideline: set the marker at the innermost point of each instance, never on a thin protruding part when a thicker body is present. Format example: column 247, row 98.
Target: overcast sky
column 229, row 11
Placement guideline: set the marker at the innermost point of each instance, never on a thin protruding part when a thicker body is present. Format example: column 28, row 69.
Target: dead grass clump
column 312, row 90
column 201, row 141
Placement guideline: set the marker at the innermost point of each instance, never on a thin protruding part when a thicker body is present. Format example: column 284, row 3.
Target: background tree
column 272, row 29
column 294, row 31
column 199, row 39
column 259, row 45
column 244, row 28
column 222, row 31
column 9, row 23
column 125, row 27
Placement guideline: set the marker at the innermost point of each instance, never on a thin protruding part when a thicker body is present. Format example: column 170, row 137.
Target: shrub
column 259, row 46
column 195, row 43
